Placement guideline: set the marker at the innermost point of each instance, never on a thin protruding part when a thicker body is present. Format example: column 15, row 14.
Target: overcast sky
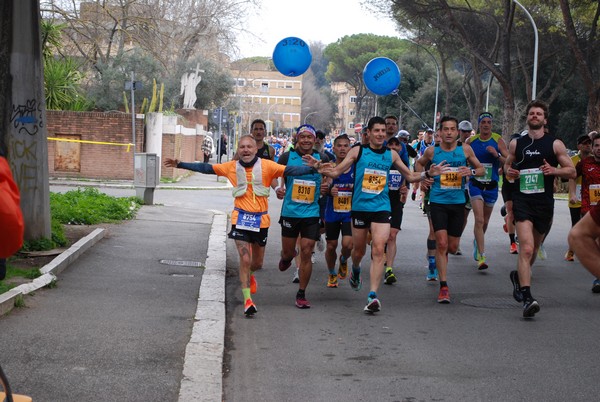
column 311, row 21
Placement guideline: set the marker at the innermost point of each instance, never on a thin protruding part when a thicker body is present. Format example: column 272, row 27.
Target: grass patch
column 89, row 206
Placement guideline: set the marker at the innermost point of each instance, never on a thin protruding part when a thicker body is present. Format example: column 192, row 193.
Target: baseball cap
column 583, row 138
column 403, row 133
column 465, row 125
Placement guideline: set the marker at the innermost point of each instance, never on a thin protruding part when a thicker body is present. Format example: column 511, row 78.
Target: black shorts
column 363, row 220
column 449, row 217
column 333, row 229
column 397, row 211
column 508, row 189
column 308, row 228
column 249, row 236
column 538, row 213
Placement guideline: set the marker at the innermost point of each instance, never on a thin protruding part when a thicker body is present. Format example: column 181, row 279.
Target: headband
column 485, row 115
column 307, row 128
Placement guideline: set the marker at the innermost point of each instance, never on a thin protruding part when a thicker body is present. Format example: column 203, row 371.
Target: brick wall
column 96, row 161
column 106, row 161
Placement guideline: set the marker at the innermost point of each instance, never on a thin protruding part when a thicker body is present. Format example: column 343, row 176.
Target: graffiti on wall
column 27, row 120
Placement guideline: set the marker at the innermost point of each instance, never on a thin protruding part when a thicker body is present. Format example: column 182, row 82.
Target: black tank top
column 530, row 154
column 264, row 152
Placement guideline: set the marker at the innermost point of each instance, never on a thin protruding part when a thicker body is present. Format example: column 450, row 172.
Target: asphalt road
column 478, row 348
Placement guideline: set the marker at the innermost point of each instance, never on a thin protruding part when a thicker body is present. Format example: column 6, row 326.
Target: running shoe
column 444, row 295
column 389, row 276
column 249, row 308
column 296, row 278
column 481, row 263
column 570, row 256
column 432, row 276
column 596, row 286
column 343, row 269
column 253, row 284
column 301, row 302
column 321, row 244
column 514, row 278
column 284, row 265
column 458, row 251
column 530, row 308
column 332, row 282
column 514, row 249
column 355, row 283
column 542, row 255
column 373, row 305
column 476, row 254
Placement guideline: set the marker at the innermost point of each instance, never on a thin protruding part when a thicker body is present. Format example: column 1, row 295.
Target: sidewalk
column 129, row 286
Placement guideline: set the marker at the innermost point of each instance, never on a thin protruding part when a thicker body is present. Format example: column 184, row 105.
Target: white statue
column 189, row 82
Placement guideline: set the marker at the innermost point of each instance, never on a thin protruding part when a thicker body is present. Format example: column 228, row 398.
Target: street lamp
column 535, row 51
column 437, row 85
column 269, row 115
column 306, row 117
column 487, row 95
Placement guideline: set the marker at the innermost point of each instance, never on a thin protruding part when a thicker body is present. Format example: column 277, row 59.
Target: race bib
column 342, row 202
column 248, row 221
column 489, row 168
column 374, row 181
column 451, row 180
column 532, row 181
column 395, row 180
column 303, row 191
column 594, row 193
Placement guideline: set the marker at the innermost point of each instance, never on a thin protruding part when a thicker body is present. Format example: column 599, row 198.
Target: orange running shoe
column 444, row 295
column 514, row 249
column 250, row 308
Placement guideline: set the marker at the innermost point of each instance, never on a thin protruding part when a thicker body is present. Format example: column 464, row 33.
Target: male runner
column 300, row 213
column 338, row 194
column 371, row 204
column 447, row 196
column 533, row 162
column 490, row 150
column 251, row 177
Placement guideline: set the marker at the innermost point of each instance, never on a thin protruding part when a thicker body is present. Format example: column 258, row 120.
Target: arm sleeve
column 297, row 170
column 411, row 151
column 205, row 168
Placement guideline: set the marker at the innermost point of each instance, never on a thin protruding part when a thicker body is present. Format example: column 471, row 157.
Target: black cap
column 583, row 138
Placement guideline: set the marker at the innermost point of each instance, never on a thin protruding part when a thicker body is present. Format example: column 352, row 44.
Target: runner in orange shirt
column 251, row 178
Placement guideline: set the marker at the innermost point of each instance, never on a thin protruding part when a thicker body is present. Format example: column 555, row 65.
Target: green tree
column 62, row 75
column 348, row 57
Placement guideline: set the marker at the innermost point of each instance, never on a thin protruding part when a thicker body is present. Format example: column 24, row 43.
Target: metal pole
column 487, row 95
column 535, row 51
column 133, row 119
column 437, row 85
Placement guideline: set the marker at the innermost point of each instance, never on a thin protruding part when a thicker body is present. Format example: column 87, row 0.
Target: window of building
column 264, row 87
column 351, row 125
column 289, row 85
column 353, row 99
column 352, row 112
column 240, row 82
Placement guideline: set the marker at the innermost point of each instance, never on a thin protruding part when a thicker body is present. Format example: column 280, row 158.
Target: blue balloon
column 382, row 76
column 292, row 56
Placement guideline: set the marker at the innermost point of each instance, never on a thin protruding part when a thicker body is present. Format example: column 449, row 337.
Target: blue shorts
column 489, row 197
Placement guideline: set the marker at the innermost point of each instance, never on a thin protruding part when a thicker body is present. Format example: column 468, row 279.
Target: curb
column 203, row 362
column 50, row 270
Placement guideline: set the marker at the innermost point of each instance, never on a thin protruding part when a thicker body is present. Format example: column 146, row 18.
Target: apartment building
column 267, row 94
